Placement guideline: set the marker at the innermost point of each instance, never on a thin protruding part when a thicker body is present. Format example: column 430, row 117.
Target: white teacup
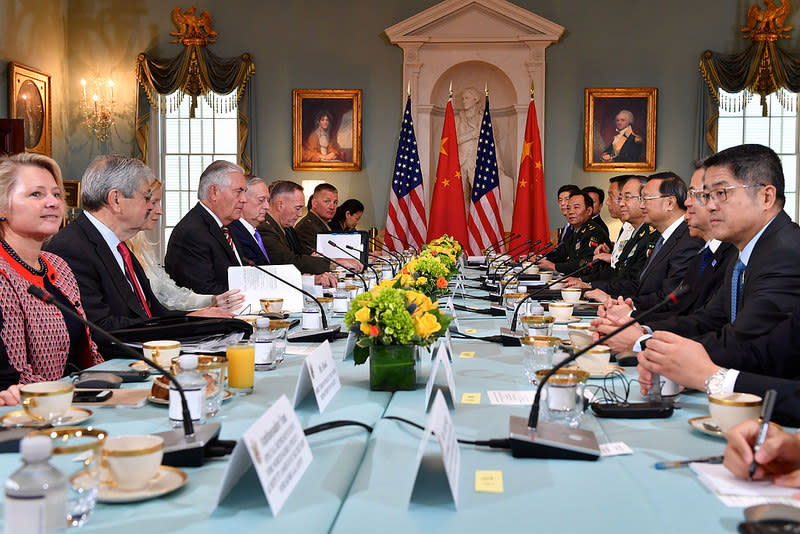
column 271, row 305
column 595, row 360
column 162, row 351
column 46, row 401
column 730, row 409
column 545, row 277
column 133, row 460
column 580, row 334
column 571, row 294
column 561, row 311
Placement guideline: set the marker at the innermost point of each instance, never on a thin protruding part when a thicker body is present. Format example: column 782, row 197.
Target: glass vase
column 392, row 367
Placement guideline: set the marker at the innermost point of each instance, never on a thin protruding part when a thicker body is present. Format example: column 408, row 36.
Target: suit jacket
column 247, row 244
column 281, row 251
column 770, row 291
column 198, row 255
column 107, row 297
column 704, row 285
column 598, row 220
column 632, row 259
column 307, row 229
column 662, row 273
column 579, row 248
column 770, row 362
column 564, row 233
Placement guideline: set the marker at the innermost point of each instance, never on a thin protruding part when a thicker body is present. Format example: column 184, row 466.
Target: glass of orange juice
column 241, row 367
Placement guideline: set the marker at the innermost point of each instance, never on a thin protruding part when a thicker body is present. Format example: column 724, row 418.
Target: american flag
column 485, row 225
column 406, row 217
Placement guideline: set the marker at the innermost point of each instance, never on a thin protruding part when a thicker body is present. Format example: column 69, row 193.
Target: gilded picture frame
column 326, row 129
column 29, row 99
column 72, row 193
column 620, row 129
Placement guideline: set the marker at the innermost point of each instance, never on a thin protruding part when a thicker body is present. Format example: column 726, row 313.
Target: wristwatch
column 714, row 382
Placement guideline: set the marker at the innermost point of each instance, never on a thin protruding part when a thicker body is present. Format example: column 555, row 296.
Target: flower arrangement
column 388, row 315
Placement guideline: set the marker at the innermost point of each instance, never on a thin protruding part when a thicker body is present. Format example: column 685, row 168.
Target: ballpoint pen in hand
column 766, row 415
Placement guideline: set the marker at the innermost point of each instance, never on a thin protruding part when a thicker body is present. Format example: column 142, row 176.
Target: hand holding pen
column 763, row 420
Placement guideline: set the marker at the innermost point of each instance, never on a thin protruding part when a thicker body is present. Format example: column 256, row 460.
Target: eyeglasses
column 627, row 197
column 645, row 199
column 721, row 194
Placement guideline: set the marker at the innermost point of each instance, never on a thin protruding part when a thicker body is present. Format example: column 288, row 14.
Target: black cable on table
column 492, row 443
column 335, row 424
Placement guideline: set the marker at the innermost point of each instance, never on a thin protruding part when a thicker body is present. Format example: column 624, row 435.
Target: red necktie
column 137, row 289
column 228, row 238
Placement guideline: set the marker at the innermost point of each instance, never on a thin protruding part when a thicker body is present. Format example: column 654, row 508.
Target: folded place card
column 441, row 425
column 276, row 447
column 441, row 357
column 319, row 373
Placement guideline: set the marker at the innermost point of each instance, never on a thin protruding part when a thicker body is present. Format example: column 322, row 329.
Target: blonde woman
column 165, row 289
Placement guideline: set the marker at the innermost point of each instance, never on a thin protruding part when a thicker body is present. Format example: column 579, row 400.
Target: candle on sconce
column 111, row 86
column 83, row 84
column 94, row 97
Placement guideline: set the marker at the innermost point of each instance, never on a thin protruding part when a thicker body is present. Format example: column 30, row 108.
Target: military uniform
column 579, row 248
column 632, row 259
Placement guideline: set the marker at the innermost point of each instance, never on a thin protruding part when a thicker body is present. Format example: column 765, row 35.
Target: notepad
column 737, row 492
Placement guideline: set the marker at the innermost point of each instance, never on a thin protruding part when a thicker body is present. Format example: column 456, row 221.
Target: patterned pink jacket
column 34, row 333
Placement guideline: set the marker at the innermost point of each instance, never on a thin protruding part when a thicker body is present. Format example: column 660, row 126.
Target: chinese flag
column 530, row 207
column 447, row 206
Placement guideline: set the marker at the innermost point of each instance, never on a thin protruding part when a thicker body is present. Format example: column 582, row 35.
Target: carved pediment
column 475, row 20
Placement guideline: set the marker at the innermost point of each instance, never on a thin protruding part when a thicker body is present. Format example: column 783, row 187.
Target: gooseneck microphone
column 535, row 439
column 522, row 271
column 403, row 241
column 377, row 258
column 505, row 241
column 346, row 268
column 524, row 247
column 337, row 247
column 396, row 255
column 187, row 448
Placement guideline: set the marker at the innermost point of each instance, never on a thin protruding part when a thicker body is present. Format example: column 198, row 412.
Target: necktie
column 137, row 289
column 658, row 246
column 707, row 255
column 228, row 238
column 260, row 242
column 736, row 287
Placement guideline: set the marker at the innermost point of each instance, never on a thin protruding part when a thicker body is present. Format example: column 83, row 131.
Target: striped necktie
column 736, row 287
column 260, row 243
column 129, row 274
column 228, row 238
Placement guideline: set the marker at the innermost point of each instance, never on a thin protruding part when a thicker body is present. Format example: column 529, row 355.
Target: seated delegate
column 347, row 216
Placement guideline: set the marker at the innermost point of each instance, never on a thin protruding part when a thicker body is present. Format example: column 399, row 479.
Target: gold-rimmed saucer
column 611, row 370
column 707, row 426
column 139, row 365
column 167, row 480
column 155, row 400
column 19, row 418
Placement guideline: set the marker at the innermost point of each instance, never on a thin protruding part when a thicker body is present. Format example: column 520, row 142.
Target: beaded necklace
column 35, row 272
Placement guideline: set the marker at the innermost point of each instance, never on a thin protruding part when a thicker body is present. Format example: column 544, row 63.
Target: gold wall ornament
column 767, row 24
column 193, row 30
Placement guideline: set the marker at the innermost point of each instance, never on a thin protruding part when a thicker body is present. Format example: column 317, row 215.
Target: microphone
column 535, row 439
column 305, row 335
column 337, row 247
column 527, row 245
column 543, row 288
column 519, row 274
column 393, row 254
column 377, row 258
column 403, row 241
column 501, row 242
column 348, row 269
column 189, row 447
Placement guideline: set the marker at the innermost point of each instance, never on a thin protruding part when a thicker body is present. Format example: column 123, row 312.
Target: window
column 186, row 146
column 744, row 123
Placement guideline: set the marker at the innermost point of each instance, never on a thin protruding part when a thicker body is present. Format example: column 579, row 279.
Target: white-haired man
column 626, row 146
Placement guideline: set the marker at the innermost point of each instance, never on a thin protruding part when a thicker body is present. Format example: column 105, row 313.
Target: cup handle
column 29, row 403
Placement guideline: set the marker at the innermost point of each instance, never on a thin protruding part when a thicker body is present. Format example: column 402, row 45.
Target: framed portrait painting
column 326, row 129
column 29, row 99
column 620, row 129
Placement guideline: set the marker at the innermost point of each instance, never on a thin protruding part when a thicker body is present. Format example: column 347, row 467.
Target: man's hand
column 10, row 396
column 231, row 300
column 547, row 265
column 778, row 458
column 573, row 281
column 623, row 341
column 325, row 280
column 680, row 359
column 212, row 311
column 616, row 309
column 598, row 295
column 602, row 253
column 355, row 265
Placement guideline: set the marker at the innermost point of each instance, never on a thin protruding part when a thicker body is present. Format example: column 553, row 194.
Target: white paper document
column 276, row 446
column 354, row 240
column 256, row 285
column 736, row 492
column 510, row 398
column 320, row 375
column 440, row 424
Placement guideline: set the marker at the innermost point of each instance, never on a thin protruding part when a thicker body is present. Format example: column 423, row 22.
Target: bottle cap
column 35, row 448
column 188, row 362
column 262, row 322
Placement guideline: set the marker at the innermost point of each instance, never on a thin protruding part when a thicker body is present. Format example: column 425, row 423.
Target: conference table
column 365, row 482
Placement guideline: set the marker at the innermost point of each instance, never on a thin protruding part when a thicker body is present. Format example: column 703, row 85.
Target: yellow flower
column 421, row 281
column 364, row 328
column 422, row 301
column 383, row 284
column 406, row 280
column 362, row 315
column 426, row 325
column 411, row 266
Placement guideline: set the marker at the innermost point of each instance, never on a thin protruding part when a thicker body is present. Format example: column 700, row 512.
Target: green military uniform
column 632, row 259
column 307, row 229
column 579, row 248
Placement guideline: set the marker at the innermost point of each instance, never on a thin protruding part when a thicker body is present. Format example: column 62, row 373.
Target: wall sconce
column 98, row 110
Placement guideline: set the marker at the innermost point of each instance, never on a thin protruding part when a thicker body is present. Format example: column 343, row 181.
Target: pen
column 683, row 463
column 766, row 415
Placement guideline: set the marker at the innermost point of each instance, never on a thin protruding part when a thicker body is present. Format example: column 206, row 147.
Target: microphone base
column 316, row 335
column 552, row 441
column 180, row 451
column 510, row 339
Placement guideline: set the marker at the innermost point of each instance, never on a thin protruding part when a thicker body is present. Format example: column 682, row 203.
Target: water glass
column 279, row 330
column 76, row 453
column 538, row 325
column 510, row 303
column 537, row 355
column 562, row 397
column 241, row 367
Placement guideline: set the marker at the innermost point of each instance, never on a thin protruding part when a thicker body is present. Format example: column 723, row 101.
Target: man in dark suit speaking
column 201, row 247
column 116, row 200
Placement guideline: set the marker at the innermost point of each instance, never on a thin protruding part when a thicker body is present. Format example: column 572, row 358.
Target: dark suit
column 307, row 229
column 598, row 220
column 662, row 273
column 631, row 261
column 198, row 255
column 770, row 291
column 578, row 249
column 283, row 251
column 107, row 297
column 564, row 234
column 631, row 150
column 247, row 244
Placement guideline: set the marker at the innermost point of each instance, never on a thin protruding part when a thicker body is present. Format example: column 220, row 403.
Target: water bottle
column 194, row 387
column 341, row 298
column 36, row 493
column 262, row 339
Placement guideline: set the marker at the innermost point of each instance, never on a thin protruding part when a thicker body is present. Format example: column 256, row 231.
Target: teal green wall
column 314, row 44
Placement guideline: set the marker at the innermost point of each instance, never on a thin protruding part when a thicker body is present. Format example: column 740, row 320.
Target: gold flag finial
column 486, row 89
column 409, row 89
column 533, row 90
column 451, row 88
